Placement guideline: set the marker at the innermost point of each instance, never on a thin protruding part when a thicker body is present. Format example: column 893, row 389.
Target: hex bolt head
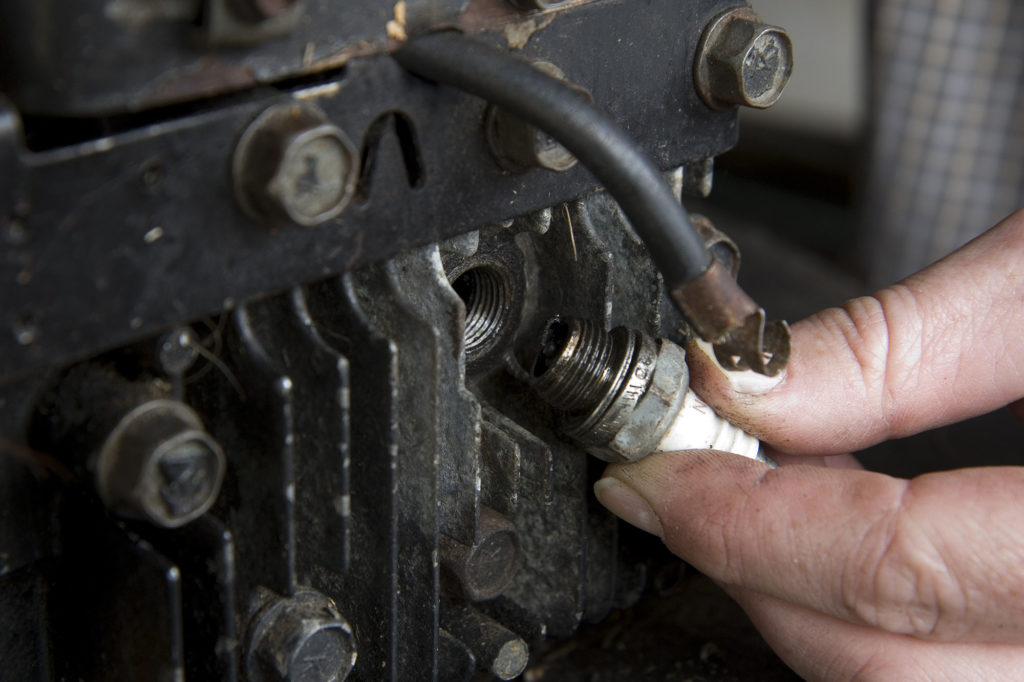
column 291, row 164
column 301, row 639
column 159, row 465
column 742, row 61
column 484, row 570
column 518, row 146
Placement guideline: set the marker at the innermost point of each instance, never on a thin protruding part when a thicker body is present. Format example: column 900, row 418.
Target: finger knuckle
column 900, row 580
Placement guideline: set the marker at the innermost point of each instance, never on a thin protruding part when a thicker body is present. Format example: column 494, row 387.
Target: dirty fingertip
column 626, row 503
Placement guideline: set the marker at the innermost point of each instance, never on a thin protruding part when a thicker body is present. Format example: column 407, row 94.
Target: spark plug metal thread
column 579, row 363
column 595, row 377
column 624, row 395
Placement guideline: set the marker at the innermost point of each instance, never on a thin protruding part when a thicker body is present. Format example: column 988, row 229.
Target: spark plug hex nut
column 655, row 412
column 741, row 61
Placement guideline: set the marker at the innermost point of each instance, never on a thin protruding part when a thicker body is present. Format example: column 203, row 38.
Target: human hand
column 850, row 574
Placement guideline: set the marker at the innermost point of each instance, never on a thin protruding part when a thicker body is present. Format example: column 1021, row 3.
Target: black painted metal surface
column 119, row 236
column 331, row 365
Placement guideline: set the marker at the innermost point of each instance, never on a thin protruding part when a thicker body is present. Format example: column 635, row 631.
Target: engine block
column 247, row 434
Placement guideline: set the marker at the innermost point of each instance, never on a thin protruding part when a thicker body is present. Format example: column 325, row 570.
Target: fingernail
column 627, row 504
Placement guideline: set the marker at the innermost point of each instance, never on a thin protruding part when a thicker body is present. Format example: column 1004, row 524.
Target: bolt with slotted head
column 741, row 61
column 292, row 164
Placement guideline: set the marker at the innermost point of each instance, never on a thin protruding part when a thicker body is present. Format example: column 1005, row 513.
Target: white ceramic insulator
column 698, row 427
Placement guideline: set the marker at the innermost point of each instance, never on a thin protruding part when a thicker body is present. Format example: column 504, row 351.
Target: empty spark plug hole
column 485, row 292
column 552, row 343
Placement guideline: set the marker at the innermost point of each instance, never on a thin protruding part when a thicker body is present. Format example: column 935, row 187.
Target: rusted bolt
column 158, row 464
column 301, row 639
column 518, row 146
column 742, row 61
column 484, row 570
column 291, row 164
column 261, row 10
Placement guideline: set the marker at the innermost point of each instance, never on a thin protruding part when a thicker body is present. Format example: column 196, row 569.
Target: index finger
column 937, row 557
column 941, row 346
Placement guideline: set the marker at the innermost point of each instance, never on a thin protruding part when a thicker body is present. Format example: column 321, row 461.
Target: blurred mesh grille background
column 946, row 158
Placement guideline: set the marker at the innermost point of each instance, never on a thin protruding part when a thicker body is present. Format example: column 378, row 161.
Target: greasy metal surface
column 177, row 247
column 361, row 443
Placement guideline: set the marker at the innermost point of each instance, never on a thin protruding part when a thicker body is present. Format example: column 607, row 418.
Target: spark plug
column 623, row 394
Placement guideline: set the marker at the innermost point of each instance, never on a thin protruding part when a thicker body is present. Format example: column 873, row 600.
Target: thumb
column 941, row 346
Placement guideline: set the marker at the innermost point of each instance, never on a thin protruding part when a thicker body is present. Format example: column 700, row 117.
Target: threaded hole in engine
column 485, row 292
